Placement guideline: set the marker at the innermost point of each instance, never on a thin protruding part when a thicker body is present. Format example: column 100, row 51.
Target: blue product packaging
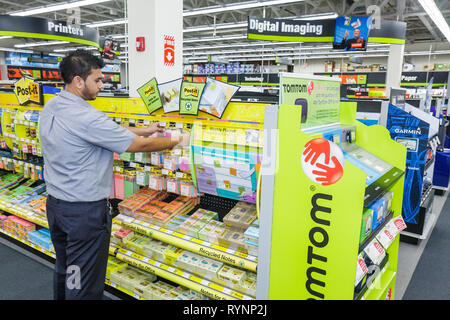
column 378, row 212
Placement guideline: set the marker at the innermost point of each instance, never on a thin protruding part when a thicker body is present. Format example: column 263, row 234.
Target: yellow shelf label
column 237, row 295
column 214, row 286
column 195, row 279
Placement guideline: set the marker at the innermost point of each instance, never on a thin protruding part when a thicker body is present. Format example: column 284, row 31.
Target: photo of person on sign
column 351, row 34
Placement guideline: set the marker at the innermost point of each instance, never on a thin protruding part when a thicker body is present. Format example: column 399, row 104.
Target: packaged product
column 173, row 185
column 366, row 224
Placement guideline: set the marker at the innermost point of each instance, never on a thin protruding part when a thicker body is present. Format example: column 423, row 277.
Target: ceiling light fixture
column 38, row 44
column 55, row 7
column 436, row 16
column 236, row 6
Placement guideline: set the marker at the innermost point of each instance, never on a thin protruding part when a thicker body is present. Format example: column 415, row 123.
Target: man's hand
column 345, row 34
column 154, row 127
column 183, row 140
column 146, row 131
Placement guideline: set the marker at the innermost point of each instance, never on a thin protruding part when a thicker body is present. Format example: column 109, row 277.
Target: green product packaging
column 366, row 225
column 127, row 156
column 191, row 93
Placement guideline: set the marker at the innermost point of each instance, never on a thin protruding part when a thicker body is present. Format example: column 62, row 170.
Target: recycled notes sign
column 191, row 92
column 318, row 97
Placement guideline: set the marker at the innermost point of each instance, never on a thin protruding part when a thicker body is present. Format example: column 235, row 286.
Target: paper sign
column 216, row 97
column 170, row 95
column 149, row 93
column 191, row 92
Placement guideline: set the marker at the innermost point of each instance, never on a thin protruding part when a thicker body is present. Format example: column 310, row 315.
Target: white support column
column 394, row 67
column 161, row 24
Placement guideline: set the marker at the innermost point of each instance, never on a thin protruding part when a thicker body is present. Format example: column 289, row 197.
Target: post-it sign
column 149, row 93
column 191, row 93
column 28, row 91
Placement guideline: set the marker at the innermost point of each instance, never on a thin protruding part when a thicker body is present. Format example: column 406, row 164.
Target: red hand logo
column 315, row 148
column 330, row 175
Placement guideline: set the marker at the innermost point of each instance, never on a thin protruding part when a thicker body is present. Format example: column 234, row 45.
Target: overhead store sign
column 320, row 30
column 291, row 30
column 27, row 91
column 31, row 27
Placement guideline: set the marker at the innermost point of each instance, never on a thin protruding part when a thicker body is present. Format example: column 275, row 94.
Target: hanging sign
column 319, row 30
column 32, row 27
column 150, row 95
column 291, row 30
column 190, row 96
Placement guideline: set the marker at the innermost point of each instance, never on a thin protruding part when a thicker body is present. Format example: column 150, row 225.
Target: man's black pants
column 80, row 234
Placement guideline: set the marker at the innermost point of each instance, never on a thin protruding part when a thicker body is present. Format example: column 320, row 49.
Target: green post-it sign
column 191, row 93
column 150, row 95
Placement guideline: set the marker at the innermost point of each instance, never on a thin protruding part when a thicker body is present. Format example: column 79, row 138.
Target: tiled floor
column 410, row 254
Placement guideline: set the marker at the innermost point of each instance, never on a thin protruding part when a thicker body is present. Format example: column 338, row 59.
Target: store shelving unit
column 323, row 267
column 229, row 256
column 242, row 115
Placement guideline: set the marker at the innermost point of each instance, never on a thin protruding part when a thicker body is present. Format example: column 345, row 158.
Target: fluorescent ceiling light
column 236, row 6
column 217, row 27
column 436, row 16
column 38, row 44
column 235, row 37
column 74, row 48
column 5, row 37
column 319, row 16
column 55, row 7
column 16, row 50
column 106, row 23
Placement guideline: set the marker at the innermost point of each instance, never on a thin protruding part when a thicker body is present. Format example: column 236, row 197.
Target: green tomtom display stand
column 314, row 229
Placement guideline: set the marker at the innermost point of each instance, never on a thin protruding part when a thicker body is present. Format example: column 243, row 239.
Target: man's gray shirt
column 77, row 143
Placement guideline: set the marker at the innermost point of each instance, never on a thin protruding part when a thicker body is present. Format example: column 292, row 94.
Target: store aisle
column 430, row 280
column 23, row 278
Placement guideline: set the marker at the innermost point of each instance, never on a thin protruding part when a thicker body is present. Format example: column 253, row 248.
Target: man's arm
column 141, row 144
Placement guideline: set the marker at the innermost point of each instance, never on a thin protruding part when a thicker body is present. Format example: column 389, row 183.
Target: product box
column 232, row 275
column 378, row 212
column 366, row 224
column 388, row 198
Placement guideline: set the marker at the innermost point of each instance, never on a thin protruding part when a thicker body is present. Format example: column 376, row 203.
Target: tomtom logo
column 327, row 157
column 310, row 87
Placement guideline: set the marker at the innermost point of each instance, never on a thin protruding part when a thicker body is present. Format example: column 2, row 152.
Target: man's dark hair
column 79, row 63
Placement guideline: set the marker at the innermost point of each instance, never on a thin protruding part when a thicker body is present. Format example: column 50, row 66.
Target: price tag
column 146, row 122
column 179, row 125
column 165, row 171
column 125, row 218
column 375, row 252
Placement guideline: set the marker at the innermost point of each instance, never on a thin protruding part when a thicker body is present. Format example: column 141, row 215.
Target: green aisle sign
column 318, row 97
column 191, row 92
column 149, row 93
